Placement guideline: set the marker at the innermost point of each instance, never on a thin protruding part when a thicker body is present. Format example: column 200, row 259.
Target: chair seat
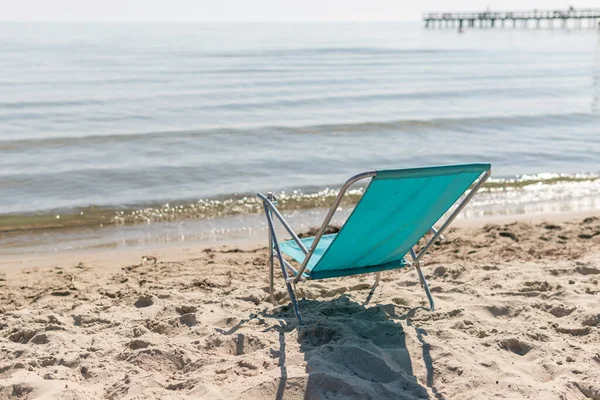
column 292, row 249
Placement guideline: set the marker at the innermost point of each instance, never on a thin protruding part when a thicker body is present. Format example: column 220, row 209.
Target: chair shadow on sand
column 351, row 351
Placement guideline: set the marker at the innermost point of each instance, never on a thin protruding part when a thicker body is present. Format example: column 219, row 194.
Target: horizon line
column 199, row 20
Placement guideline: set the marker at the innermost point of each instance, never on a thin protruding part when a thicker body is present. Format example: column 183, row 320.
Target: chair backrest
column 396, row 210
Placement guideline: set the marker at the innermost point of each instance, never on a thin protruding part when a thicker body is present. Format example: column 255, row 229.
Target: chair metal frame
column 269, row 204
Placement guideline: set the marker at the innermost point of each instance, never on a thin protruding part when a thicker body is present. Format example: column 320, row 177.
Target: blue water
column 133, row 114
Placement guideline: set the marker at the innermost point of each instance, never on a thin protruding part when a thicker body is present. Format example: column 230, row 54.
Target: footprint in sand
column 516, row 346
column 144, row 301
column 235, row 345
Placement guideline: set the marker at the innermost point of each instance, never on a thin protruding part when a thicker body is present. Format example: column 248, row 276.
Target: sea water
column 125, row 129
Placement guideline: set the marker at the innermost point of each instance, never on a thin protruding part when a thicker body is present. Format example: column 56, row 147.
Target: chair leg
column 284, row 272
column 290, row 289
column 422, row 279
column 292, row 292
column 375, row 284
column 425, row 287
column 272, row 278
column 271, row 269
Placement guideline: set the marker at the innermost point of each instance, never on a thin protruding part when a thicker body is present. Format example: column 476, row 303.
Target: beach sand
column 517, row 317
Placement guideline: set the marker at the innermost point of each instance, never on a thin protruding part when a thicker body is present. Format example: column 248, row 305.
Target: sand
column 518, row 317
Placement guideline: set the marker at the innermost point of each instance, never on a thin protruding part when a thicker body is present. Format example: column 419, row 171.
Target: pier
column 571, row 17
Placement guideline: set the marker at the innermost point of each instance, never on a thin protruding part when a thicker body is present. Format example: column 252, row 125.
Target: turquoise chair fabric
column 396, row 210
column 291, row 249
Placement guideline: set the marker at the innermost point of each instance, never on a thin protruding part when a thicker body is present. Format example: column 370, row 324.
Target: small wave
column 538, row 179
column 297, row 101
column 88, row 81
column 365, row 127
column 49, row 104
column 303, row 52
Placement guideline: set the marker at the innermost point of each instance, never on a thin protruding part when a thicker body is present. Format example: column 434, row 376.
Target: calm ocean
column 105, row 123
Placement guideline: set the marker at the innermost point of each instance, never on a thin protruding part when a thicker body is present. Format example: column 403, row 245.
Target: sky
column 254, row 10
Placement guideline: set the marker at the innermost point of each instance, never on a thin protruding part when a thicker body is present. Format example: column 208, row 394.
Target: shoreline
column 178, row 251
column 238, row 221
column 497, row 192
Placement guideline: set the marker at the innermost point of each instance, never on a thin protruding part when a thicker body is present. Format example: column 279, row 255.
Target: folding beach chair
column 397, row 209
